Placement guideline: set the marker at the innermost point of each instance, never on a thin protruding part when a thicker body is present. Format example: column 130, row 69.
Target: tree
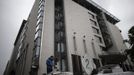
column 130, row 52
column 131, row 35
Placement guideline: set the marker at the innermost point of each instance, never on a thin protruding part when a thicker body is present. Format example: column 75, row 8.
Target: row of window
column 22, row 37
column 96, row 30
column 60, row 45
column 91, row 15
column 38, row 33
column 20, row 67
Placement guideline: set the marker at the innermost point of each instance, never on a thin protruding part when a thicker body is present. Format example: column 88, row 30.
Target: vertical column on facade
column 37, row 39
column 60, row 50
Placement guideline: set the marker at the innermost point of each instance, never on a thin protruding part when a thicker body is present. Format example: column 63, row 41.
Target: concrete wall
column 77, row 20
column 30, row 34
column 47, row 46
column 118, row 45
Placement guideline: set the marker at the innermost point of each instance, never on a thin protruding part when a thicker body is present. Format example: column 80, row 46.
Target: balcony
column 114, row 58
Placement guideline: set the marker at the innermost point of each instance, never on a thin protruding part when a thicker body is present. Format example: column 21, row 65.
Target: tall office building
column 81, row 35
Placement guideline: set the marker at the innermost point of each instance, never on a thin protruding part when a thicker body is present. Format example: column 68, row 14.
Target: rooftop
column 105, row 11
column 92, row 6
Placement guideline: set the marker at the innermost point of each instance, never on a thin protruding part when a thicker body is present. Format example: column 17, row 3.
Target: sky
column 12, row 12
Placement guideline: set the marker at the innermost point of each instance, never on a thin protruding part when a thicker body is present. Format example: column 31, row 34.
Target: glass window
column 40, row 15
column 101, row 48
column 41, row 9
column 38, row 34
column 62, row 47
column 58, row 9
column 95, row 30
column 58, row 47
column 59, row 24
column 63, row 65
column 37, row 51
column 57, row 27
column 93, row 23
column 22, row 38
column 91, row 15
column 41, row 4
column 59, row 36
column 59, row 14
column 20, row 47
column 38, row 41
column 40, row 20
column 18, row 55
column 24, row 30
column 39, row 27
column 98, row 39
column 41, row 1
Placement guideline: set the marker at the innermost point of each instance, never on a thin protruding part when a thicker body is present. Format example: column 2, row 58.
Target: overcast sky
column 12, row 12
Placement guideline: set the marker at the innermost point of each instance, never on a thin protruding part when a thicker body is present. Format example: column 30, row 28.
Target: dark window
column 91, row 15
column 93, row 23
column 95, row 30
column 102, row 48
column 98, row 39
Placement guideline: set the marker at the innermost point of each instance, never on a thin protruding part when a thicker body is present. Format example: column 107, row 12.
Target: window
column 38, row 34
column 18, row 55
column 58, row 14
column 91, row 15
column 40, row 15
column 93, row 23
column 20, row 46
column 40, row 20
column 36, row 51
column 37, row 41
column 22, row 38
column 62, row 47
column 63, row 63
column 95, row 30
column 98, row 39
column 41, row 4
column 58, row 47
column 59, row 24
column 59, row 36
column 101, row 48
column 24, row 30
column 41, row 9
column 41, row 1
column 39, row 27
column 19, row 51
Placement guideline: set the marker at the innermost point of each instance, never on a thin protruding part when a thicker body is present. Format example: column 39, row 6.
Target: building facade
column 82, row 37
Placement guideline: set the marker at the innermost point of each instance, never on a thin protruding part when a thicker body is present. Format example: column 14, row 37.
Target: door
column 77, row 66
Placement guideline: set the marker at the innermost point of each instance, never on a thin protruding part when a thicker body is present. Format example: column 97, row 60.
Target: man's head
column 52, row 57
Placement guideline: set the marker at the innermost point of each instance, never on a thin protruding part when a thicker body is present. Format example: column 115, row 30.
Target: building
column 80, row 34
